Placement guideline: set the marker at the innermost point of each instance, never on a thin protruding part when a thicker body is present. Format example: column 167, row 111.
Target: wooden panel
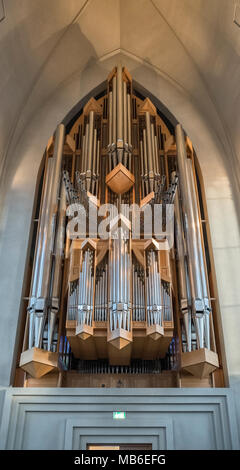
column 49, row 380
column 189, row 381
column 98, row 346
column 200, row 362
column 165, row 379
column 120, row 180
column 38, row 362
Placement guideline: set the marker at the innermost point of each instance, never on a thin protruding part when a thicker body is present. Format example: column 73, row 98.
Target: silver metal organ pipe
column 100, row 294
column 110, row 118
column 182, row 273
column 97, row 166
column 155, row 278
column 149, row 142
column 116, row 267
column 114, row 119
column 88, row 275
column 156, row 153
column 94, row 172
column 153, row 149
column 120, row 272
column 106, row 295
column 103, row 296
column 125, row 129
column 125, row 299
column 192, row 241
column 129, row 119
column 133, row 293
column 198, row 231
column 145, row 159
column 89, row 292
column 87, row 288
column 147, row 298
column 203, row 273
column 188, row 209
column 91, row 310
column 180, row 252
column 96, row 300
column 83, row 153
column 83, row 293
column 139, row 298
column 150, row 287
column 45, row 240
column 37, row 268
column 142, row 169
column 90, row 140
column 142, row 302
column 58, row 257
column 119, row 104
column 86, row 148
column 89, row 152
column 136, row 296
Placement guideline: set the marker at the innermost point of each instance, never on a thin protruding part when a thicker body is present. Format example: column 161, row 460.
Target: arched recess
column 22, row 174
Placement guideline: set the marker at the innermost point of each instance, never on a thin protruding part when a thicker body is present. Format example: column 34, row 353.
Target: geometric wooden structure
column 200, row 362
column 155, row 332
column 38, row 362
column 120, row 346
column 147, row 106
column 119, row 338
column 84, row 331
column 120, row 180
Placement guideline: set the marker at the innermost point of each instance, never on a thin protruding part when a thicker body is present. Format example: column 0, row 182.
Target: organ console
column 104, row 280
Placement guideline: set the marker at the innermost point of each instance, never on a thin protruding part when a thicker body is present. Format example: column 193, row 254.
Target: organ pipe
column 40, row 302
column 198, row 276
column 114, row 285
column 154, row 306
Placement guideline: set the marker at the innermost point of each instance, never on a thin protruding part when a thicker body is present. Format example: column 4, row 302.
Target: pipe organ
column 114, row 296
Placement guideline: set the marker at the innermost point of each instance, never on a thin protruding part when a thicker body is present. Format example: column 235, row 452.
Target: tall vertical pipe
column 110, row 118
column 45, row 240
column 129, row 119
column 83, row 153
column 119, row 104
column 97, row 166
column 153, row 149
column 114, row 119
column 149, row 142
column 194, row 260
column 182, row 274
column 125, row 128
column 203, row 272
column 86, row 148
column 156, row 153
column 94, row 160
column 90, row 140
column 142, row 169
column 57, row 266
column 146, row 161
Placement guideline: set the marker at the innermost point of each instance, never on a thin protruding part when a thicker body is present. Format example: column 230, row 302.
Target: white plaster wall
column 20, row 180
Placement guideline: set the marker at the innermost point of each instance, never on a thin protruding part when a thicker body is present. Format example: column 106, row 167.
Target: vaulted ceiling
column 195, row 43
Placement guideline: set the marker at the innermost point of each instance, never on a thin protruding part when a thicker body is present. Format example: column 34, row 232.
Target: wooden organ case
column 110, row 303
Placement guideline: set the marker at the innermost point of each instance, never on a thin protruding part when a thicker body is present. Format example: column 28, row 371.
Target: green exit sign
column 119, row 415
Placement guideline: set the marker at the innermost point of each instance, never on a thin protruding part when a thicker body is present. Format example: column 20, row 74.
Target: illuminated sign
column 119, row 415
